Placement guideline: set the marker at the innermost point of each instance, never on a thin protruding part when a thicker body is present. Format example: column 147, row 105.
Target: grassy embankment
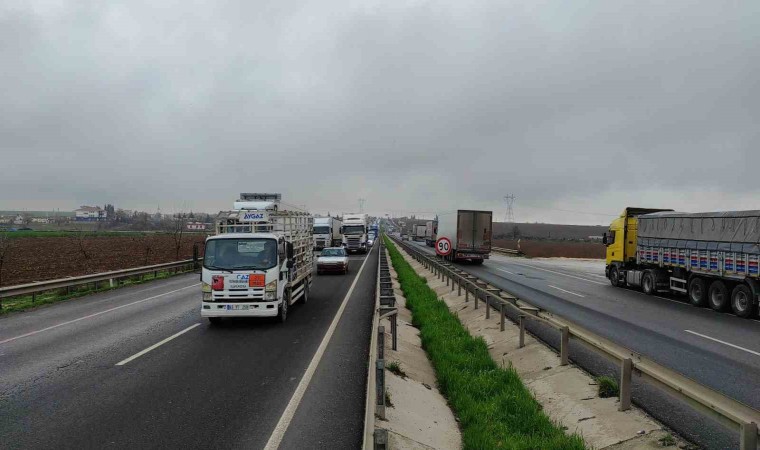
column 495, row 409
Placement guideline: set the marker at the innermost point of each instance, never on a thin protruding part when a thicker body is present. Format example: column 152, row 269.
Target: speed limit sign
column 443, row 246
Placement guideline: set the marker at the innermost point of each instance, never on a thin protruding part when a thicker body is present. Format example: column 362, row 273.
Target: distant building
column 196, row 226
column 18, row 220
column 40, row 220
column 90, row 214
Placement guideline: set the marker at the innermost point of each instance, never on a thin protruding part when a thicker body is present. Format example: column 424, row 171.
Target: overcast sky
column 415, row 106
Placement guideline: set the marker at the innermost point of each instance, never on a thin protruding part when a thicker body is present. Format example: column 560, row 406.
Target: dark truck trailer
column 713, row 258
column 469, row 232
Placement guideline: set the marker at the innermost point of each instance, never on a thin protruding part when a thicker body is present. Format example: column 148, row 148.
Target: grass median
column 495, row 409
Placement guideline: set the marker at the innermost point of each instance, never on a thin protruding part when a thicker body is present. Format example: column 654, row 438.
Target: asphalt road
column 718, row 350
column 209, row 387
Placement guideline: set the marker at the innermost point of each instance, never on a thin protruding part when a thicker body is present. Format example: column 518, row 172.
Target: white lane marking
column 504, row 270
column 563, row 290
column 156, row 345
column 723, row 342
column 32, row 333
column 287, row 416
column 560, row 273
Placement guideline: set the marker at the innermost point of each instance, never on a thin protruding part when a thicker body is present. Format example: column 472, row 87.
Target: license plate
column 238, row 284
column 238, row 307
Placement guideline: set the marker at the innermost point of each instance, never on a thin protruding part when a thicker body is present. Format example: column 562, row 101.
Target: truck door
column 465, row 230
column 482, row 238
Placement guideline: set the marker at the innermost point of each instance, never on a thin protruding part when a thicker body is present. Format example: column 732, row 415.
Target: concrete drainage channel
column 478, row 294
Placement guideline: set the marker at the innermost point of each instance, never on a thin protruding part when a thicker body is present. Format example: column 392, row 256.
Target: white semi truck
column 354, row 231
column 259, row 262
column 326, row 232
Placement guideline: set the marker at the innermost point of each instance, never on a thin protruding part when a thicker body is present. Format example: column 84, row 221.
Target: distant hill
column 503, row 230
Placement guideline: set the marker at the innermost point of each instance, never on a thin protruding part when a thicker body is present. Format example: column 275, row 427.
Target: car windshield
column 333, row 252
column 321, row 230
column 240, row 254
column 353, row 229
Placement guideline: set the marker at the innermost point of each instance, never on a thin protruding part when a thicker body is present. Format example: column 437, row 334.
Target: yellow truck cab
column 621, row 242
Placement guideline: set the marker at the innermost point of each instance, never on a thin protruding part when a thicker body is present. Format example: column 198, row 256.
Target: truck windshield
column 240, row 254
column 353, row 229
column 321, row 230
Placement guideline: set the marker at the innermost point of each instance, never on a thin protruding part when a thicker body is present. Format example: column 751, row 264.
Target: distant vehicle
column 419, row 233
column 469, row 233
column 326, row 232
column 713, row 258
column 354, row 231
column 25, row 229
column 334, row 259
column 259, row 262
column 431, row 230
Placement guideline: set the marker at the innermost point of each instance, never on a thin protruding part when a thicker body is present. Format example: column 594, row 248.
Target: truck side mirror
column 290, row 264
column 289, row 250
column 604, row 239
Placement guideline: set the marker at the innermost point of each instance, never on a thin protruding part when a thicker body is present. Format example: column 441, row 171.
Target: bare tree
column 176, row 226
column 26, row 219
column 81, row 243
column 5, row 246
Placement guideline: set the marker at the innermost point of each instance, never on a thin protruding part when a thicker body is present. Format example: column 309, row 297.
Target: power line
column 361, row 205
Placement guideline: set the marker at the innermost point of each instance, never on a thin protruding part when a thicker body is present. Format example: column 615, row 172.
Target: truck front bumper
column 258, row 309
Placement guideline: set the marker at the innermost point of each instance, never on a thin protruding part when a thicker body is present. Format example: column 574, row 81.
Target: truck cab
column 258, row 263
column 355, row 232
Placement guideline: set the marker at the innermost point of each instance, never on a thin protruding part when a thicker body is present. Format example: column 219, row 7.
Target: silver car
column 333, row 259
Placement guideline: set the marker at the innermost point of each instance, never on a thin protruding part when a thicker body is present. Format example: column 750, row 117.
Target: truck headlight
column 270, row 293
column 205, row 287
column 207, row 297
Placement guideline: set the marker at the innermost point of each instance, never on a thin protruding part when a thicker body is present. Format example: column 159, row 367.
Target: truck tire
column 215, row 320
column 718, row 296
column 478, row 262
column 647, row 283
column 282, row 311
column 615, row 277
column 742, row 302
column 697, row 291
column 305, row 297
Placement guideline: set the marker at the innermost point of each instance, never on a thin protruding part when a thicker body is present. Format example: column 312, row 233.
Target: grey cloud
column 415, row 106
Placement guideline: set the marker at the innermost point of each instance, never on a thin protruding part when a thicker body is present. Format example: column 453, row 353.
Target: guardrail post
column 381, row 439
column 565, row 348
column 488, row 306
column 466, row 293
column 459, row 286
column 501, row 316
column 380, row 373
column 748, row 436
column 394, row 332
column 626, row 367
column 475, row 296
column 521, row 319
column 446, row 275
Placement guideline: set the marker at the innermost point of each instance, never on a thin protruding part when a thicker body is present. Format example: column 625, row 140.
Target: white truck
column 326, row 232
column 259, row 262
column 469, row 233
column 354, row 231
column 419, row 232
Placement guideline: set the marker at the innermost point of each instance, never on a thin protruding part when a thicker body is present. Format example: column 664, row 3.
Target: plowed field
column 45, row 258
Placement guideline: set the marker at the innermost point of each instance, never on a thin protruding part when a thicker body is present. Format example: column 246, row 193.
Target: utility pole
column 509, row 216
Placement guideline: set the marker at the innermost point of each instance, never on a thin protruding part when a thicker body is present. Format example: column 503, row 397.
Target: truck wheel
column 305, row 296
column 697, row 292
column 215, row 320
column 478, row 262
column 282, row 313
column 741, row 301
column 647, row 283
column 717, row 297
column 615, row 277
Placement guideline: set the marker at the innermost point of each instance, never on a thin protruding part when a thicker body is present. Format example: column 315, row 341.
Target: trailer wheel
column 718, row 296
column 741, row 301
column 647, row 283
column 615, row 277
column 305, row 296
column 697, row 291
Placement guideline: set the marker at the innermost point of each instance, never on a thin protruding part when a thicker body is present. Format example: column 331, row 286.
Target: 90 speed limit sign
column 443, row 246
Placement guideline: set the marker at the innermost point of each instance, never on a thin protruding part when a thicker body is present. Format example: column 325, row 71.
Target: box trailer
column 469, row 232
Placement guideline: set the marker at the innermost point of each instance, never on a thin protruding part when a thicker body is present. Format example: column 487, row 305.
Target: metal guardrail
column 731, row 413
column 508, row 251
column 385, row 307
column 66, row 283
